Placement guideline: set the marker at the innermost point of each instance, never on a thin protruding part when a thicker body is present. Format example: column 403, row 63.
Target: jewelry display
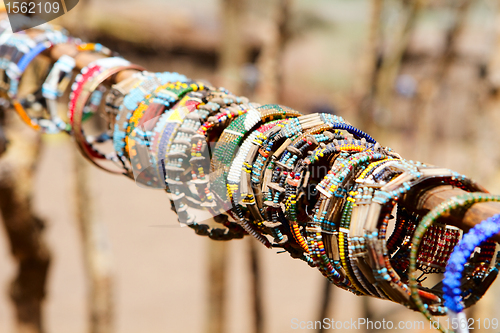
column 312, row 185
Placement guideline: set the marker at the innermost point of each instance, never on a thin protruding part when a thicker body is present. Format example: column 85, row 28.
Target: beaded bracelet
column 162, row 99
column 12, row 48
column 84, row 142
column 297, row 185
column 330, row 268
column 335, row 235
column 155, row 175
column 87, row 74
column 56, row 84
column 163, row 96
column 228, row 108
column 285, row 182
column 177, row 156
column 130, row 103
column 225, row 108
column 231, row 230
column 353, row 244
column 222, row 109
column 15, row 71
column 115, row 95
column 282, row 153
column 163, row 135
column 454, row 300
column 376, row 226
column 230, row 140
column 331, row 191
column 14, row 74
column 262, row 168
column 443, row 208
column 235, row 174
column 227, row 145
column 246, row 188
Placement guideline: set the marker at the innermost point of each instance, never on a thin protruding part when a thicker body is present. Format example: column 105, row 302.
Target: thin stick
column 256, row 287
column 370, row 62
column 325, row 303
column 217, row 262
column 424, row 131
column 392, row 61
column 96, row 252
column 270, row 61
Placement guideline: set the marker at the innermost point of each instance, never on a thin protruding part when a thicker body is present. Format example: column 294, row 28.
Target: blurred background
column 422, row 77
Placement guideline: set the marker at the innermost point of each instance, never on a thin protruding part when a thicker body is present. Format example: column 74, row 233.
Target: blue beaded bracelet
column 460, row 255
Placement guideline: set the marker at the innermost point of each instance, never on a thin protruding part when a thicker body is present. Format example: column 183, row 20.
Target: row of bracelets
column 317, row 187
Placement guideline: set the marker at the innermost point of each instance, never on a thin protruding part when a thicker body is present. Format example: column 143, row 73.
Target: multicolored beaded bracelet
column 186, row 106
column 141, row 124
column 283, row 183
column 130, row 103
column 225, row 149
column 163, row 134
column 176, row 163
column 57, row 82
column 353, row 243
column 55, row 85
column 312, row 233
column 264, row 167
column 15, row 71
column 222, row 113
column 230, row 139
column 12, row 48
column 454, row 203
column 115, row 95
column 231, row 230
column 235, row 174
column 331, row 191
column 163, row 97
column 376, row 226
column 189, row 139
column 87, row 143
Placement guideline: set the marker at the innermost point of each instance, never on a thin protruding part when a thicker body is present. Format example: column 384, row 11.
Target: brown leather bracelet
column 85, row 147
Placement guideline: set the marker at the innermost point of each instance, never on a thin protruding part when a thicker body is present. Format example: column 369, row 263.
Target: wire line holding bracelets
column 312, row 185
